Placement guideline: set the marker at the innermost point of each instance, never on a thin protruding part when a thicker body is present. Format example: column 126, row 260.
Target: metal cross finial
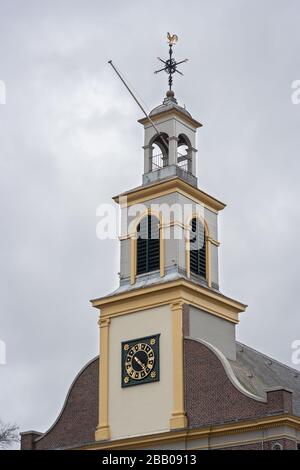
column 171, row 65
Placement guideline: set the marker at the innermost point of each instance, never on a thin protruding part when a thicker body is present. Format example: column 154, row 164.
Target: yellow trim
column 214, row 242
column 178, row 419
column 172, row 223
column 174, row 293
column 124, row 237
column 171, row 437
column 208, row 240
column 138, row 220
column 167, row 293
column 162, row 188
column 103, row 430
column 208, row 260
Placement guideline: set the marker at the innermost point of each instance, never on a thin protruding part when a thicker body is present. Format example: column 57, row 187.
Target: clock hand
column 140, row 363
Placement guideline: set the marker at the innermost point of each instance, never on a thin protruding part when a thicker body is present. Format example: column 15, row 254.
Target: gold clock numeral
column 139, row 361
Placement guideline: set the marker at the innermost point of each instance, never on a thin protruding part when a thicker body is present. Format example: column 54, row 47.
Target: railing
column 183, row 165
column 157, row 162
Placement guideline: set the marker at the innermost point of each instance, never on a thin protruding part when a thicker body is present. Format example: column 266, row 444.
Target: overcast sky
column 69, row 141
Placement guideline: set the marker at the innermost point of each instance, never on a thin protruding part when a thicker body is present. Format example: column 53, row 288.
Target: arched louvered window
column 148, row 245
column 198, row 248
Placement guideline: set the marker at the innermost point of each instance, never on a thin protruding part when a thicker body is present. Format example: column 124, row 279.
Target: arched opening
column 148, row 245
column 159, row 157
column 198, row 241
column 277, row 446
column 184, row 157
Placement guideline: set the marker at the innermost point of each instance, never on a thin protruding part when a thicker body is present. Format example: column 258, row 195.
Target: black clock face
column 140, row 361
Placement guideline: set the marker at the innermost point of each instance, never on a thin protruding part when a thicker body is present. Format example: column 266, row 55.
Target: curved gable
column 78, row 419
column 213, row 396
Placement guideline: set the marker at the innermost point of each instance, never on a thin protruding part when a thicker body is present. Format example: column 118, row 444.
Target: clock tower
column 169, row 286
column 170, row 374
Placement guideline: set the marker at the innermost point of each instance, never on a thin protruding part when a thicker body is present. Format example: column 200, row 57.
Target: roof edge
column 148, row 191
column 171, row 111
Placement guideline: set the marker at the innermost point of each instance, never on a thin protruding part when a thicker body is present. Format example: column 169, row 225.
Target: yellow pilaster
column 103, row 430
column 178, row 419
column 208, row 261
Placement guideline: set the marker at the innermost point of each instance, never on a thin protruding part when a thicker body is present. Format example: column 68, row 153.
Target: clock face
column 140, row 361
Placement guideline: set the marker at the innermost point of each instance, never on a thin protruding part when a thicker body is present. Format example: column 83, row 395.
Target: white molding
column 228, row 369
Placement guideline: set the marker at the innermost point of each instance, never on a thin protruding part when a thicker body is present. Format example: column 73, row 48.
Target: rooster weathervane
column 170, row 65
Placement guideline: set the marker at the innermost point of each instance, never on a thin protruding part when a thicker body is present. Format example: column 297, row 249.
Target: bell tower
column 169, row 283
column 170, row 146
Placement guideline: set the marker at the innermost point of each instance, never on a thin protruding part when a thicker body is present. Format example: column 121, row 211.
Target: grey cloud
column 69, row 141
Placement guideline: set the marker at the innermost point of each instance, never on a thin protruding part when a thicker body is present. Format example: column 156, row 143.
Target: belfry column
column 147, row 157
column 173, row 141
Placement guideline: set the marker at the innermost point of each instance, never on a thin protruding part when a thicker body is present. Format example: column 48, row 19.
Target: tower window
column 160, row 152
column 184, row 157
column 148, row 245
column 198, row 248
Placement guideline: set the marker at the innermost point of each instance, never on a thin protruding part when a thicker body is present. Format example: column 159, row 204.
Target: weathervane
column 171, row 65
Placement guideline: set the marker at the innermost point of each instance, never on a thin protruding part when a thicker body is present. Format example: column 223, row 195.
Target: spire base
column 170, row 97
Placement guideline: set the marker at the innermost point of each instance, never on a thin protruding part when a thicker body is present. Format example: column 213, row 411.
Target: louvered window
column 148, row 245
column 198, row 248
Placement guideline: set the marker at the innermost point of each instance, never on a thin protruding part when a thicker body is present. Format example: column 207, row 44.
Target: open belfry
column 170, row 374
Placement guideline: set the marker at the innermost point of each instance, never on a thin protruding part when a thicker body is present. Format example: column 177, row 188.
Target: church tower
column 169, row 284
column 171, row 375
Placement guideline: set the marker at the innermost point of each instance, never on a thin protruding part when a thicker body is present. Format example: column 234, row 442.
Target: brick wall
column 212, row 399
